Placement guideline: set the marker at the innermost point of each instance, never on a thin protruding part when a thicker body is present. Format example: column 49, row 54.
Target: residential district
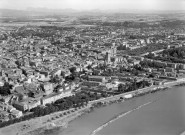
column 44, row 69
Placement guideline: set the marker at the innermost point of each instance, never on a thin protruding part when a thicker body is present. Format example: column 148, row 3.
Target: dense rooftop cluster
column 40, row 65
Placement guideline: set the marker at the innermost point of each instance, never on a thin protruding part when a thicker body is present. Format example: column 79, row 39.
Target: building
column 4, row 116
column 91, row 83
column 20, row 106
column 164, row 64
column 48, row 88
column 3, row 106
column 108, row 57
column 113, row 50
column 168, row 69
column 161, row 69
column 182, row 66
column 182, row 71
column 135, row 62
column 27, row 104
column 5, row 99
column 1, row 82
column 168, row 78
column 97, row 78
column 16, row 113
column 54, row 97
column 43, row 78
column 172, row 65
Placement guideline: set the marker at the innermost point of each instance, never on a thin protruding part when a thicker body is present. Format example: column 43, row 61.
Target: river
column 161, row 113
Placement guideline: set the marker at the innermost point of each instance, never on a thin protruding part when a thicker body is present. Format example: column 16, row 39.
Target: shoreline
column 62, row 122
column 63, row 127
column 117, row 117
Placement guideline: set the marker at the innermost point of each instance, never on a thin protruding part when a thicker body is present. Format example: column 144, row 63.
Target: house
column 27, row 104
column 48, row 99
column 22, row 106
column 10, row 108
column 3, row 106
column 31, row 86
column 19, row 89
column 148, row 69
column 170, row 74
column 56, row 72
column 182, row 66
column 16, row 113
column 36, row 94
column 182, row 71
column 48, row 88
column 32, row 103
column 154, row 70
column 161, row 69
column 43, row 78
column 135, row 62
column 1, row 83
column 4, row 116
column 66, row 86
column 168, row 69
column 172, row 65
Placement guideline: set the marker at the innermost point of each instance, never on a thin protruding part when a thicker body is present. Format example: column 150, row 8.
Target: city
column 57, row 67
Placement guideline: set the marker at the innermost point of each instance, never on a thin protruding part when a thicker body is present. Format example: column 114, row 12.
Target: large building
column 108, row 57
column 55, row 96
column 91, row 83
column 96, row 78
column 110, row 53
column 113, row 50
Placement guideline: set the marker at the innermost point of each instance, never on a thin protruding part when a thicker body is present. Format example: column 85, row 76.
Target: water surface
column 165, row 116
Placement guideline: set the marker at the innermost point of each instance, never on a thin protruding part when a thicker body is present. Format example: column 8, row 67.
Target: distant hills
column 33, row 12
column 44, row 12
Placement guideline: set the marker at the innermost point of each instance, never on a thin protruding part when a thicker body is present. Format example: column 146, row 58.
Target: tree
column 150, row 55
column 138, row 67
column 135, row 72
column 5, row 90
column 121, row 88
column 121, row 98
column 89, row 67
column 144, row 63
column 72, row 69
column 55, row 79
column 134, row 84
column 175, row 55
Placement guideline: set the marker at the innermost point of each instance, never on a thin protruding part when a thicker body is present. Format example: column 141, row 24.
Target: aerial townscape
column 56, row 67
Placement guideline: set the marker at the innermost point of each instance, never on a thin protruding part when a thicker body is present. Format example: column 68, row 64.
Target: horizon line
column 81, row 10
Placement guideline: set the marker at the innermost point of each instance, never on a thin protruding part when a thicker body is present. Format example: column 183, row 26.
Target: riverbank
column 44, row 124
column 40, row 124
column 165, row 116
column 62, row 124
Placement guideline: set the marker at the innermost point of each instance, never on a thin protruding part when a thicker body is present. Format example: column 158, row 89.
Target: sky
column 95, row 4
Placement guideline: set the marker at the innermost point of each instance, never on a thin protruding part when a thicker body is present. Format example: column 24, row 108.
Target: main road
column 143, row 90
